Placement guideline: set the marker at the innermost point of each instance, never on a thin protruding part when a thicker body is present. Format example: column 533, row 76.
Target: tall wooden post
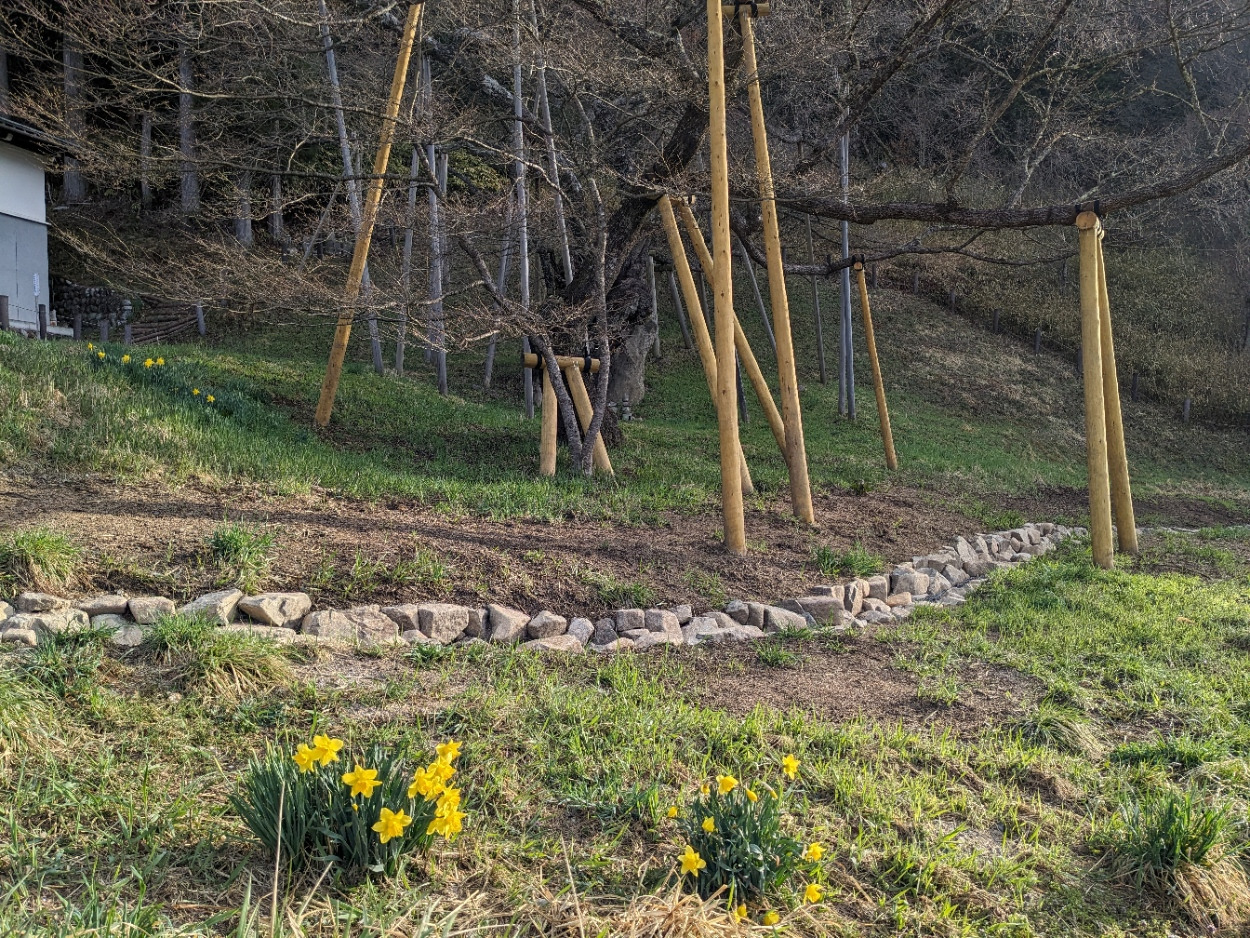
column 372, row 197
column 1117, row 454
column 791, row 411
column 549, row 429
column 1088, row 227
column 707, row 353
column 722, row 279
column 747, row 357
column 870, row 341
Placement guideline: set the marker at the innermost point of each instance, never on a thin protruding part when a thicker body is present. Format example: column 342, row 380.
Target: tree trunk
column 277, row 224
column 405, row 275
column 75, row 189
column 243, row 210
column 522, row 203
column 145, row 160
column 190, row 179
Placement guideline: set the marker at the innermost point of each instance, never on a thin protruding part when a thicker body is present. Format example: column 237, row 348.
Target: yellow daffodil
column 705, row 789
column 691, row 862
column 305, row 758
column 726, row 783
column 770, row 918
column 449, row 751
column 425, row 784
column 671, row 812
column 391, row 824
column 448, row 802
column 100, row 355
column 210, row 398
column 790, row 766
column 362, row 781
column 752, row 796
column 814, row 852
column 441, row 769
column 160, row 361
column 195, row 392
column 125, row 359
column 148, row 363
column 448, row 826
column 709, row 825
column 740, row 913
column 813, row 893
column 90, row 346
column 326, row 747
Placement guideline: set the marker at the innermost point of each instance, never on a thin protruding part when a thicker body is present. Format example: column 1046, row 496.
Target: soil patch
column 855, row 677
column 148, row 537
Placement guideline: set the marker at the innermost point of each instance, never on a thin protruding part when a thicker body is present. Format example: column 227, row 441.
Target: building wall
column 21, row 184
column 23, row 236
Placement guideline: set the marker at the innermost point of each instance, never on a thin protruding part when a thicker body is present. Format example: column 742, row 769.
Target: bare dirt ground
column 148, row 537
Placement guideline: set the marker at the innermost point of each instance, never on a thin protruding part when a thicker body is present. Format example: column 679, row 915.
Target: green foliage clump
column 1179, row 846
column 737, row 842
column 243, row 555
column 202, row 657
column 854, row 561
column 305, row 808
column 38, row 559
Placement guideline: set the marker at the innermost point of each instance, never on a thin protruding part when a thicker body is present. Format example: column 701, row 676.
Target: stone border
column 943, row 578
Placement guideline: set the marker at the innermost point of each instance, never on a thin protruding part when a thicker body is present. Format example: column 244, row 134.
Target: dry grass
column 676, row 914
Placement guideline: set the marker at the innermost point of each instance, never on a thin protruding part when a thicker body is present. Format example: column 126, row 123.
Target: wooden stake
column 1117, row 454
column 564, row 361
column 722, row 277
column 550, row 429
column 791, row 411
column 1095, row 409
column 707, row 354
column 870, row 341
column 743, row 347
column 372, row 197
column 581, row 402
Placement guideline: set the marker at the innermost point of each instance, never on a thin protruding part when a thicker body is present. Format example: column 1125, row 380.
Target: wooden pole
column 550, row 428
column 870, row 342
column 4, row 313
column 1095, row 409
column 791, row 411
column 581, row 402
column 372, row 197
column 743, row 347
column 1117, row 453
column 533, row 360
column 707, row 353
column 723, row 290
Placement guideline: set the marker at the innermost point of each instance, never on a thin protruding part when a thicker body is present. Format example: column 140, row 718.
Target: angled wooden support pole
column 1117, row 454
column 581, row 402
column 707, row 353
column 1088, row 226
column 870, row 341
column 549, row 429
column 722, row 277
column 749, row 363
column 338, row 351
column 791, row 411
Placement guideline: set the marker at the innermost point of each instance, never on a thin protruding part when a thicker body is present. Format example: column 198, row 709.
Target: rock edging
column 943, row 578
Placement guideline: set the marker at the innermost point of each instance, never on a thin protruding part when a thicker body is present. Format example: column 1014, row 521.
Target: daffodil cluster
column 736, row 843
column 364, row 812
column 150, row 371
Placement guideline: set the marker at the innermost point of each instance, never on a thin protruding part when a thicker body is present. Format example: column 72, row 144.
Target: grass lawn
column 1104, row 793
